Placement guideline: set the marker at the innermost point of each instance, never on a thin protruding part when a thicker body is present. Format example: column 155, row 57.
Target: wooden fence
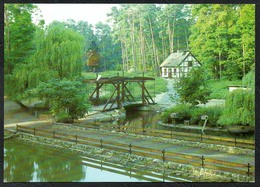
column 163, row 155
column 250, row 144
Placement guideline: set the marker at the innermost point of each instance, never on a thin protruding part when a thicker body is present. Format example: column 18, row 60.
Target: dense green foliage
column 193, row 88
column 223, row 38
column 67, row 99
column 18, row 33
column 193, row 114
column 239, row 108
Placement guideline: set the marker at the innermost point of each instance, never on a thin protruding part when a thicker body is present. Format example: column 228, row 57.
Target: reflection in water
column 142, row 119
column 29, row 162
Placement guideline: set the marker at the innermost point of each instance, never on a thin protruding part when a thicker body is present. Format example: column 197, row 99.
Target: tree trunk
column 133, row 45
column 187, row 41
column 154, row 47
column 9, row 69
column 123, row 55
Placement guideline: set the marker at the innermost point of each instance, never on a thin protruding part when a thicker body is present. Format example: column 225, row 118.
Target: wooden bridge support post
column 143, row 97
column 118, row 95
column 123, row 91
column 97, row 88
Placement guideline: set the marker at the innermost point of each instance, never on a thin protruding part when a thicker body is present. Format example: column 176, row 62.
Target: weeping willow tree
column 57, row 53
column 240, row 104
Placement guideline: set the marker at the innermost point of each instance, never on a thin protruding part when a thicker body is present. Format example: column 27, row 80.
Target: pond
column 31, row 162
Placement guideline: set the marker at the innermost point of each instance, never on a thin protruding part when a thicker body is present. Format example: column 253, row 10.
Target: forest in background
column 137, row 38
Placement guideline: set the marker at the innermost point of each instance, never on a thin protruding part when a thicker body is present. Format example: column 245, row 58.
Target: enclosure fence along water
column 165, row 156
column 65, row 166
column 202, row 138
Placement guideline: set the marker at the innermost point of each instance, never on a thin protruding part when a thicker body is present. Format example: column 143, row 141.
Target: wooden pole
column 130, row 149
column 97, row 87
column 123, row 91
column 248, row 169
column 118, row 95
column 163, row 152
column 202, row 161
column 143, row 99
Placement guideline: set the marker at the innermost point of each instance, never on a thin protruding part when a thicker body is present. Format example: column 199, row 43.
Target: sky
column 92, row 13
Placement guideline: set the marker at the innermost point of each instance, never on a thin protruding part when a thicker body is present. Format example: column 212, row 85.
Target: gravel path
column 167, row 98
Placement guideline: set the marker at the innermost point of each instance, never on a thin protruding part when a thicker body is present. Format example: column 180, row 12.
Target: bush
column 184, row 111
column 194, row 113
column 67, row 98
column 213, row 113
column 193, row 88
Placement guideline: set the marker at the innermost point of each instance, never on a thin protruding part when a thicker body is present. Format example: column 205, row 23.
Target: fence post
column 163, row 152
column 248, row 169
column 130, row 149
column 171, row 134
column 76, row 138
column 16, row 127
column 34, row 131
column 202, row 161
column 235, row 142
column 54, row 134
column 201, row 137
column 101, row 145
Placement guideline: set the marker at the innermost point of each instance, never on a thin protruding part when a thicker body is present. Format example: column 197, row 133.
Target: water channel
column 31, row 162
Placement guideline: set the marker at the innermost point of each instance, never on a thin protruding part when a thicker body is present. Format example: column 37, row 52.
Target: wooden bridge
column 122, row 95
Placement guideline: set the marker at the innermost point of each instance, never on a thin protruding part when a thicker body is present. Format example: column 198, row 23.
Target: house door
column 170, row 73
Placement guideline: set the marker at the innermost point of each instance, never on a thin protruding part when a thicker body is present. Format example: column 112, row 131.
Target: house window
column 189, row 63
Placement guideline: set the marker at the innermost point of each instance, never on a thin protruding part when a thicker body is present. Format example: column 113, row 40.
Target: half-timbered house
column 178, row 64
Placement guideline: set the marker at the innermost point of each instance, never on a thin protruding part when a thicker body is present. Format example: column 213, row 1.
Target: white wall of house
column 174, row 71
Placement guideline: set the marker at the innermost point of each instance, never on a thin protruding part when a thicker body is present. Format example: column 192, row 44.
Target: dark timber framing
column 121, row 95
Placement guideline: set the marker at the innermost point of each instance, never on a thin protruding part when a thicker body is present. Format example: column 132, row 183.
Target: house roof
column 174, row 59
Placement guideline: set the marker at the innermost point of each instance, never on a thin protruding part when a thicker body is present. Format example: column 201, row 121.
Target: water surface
column 31, row 162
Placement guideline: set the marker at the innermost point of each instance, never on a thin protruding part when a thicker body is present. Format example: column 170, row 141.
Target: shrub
column 184, row 111
column 213, row 113
column 67, row 98
column 194, row 113
column 193, row 88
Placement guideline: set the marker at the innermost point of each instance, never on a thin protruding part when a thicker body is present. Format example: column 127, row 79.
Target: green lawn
column 219, row 88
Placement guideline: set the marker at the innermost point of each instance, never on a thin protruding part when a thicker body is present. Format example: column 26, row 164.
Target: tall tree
column 225, row 42
column 57, row 54
column 18, row 33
